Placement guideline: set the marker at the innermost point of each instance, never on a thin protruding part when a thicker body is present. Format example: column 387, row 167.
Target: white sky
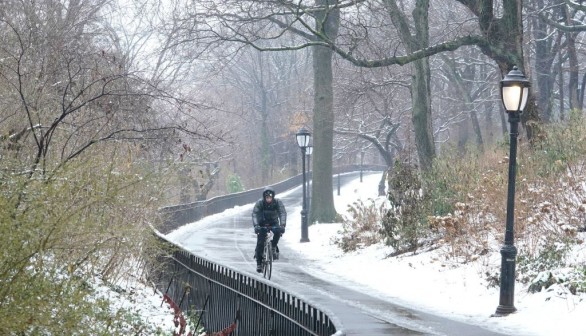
column 425, row 281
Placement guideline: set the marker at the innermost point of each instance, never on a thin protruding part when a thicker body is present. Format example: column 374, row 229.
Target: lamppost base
column 304, row 229
column 504, row 311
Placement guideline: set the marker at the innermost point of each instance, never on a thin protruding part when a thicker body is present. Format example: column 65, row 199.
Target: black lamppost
column 308, row 152
column 303, row 138
column 514, row 93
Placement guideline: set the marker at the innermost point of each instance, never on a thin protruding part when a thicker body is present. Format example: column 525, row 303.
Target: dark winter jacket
column 269, row 214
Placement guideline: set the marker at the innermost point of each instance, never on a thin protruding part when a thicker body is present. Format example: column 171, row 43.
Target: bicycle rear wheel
column 268, row 262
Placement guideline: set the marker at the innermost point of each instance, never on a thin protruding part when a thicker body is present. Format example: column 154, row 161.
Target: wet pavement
column 231, row 242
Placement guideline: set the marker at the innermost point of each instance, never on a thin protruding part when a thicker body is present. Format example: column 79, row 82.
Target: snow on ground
column 424, row 280
column 427, row 281
column 146, row 312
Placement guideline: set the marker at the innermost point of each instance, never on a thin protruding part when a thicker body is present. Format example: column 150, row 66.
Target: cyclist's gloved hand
column 283, row 229
column 256, row 229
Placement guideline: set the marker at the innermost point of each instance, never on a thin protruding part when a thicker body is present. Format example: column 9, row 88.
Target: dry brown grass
column 464, row 205
column 550, row 197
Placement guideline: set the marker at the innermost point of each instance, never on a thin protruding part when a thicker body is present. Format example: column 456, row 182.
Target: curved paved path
column 231, row 242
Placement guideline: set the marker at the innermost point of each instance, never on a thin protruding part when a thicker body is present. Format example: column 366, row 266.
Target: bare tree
column 557, row 26
column 81, row 126
column 373, row 108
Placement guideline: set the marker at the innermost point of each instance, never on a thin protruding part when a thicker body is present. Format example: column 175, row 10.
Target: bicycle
column 267, row 255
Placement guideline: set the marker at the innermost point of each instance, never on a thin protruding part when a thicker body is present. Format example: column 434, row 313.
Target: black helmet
column 268, row 192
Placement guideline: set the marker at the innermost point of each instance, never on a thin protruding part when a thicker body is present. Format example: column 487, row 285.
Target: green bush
column 404, row 223
column 452, row 177
column 234, row 184
column 578, row 282
column 561, row 147
column 551, row 255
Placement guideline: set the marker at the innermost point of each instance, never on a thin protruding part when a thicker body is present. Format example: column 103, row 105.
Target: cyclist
column 268, row 211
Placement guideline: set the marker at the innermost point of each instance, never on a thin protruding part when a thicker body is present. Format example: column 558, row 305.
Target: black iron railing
column 222, row 296
column 175, row 216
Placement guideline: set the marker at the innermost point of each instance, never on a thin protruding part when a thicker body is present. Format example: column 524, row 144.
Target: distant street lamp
column 309, row 151
column 303, row 138
column 514, row 94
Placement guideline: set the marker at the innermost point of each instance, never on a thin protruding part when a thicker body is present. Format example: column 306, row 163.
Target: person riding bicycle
column 268, row 211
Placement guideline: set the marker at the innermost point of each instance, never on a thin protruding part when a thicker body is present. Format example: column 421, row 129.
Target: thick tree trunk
column 322, row 205
column 421, row 115
column 420, row 87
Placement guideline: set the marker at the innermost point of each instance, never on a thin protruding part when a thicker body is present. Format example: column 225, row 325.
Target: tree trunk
column 573, row 72
column 463, row 90
column 322, row 205
column 504, row 36
column 561, row 90
column 545, row 51
column 420, row 88
column 421, row 115
column 265, row 150
column 382, row 184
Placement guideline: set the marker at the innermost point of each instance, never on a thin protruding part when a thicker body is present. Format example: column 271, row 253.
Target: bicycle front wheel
column 268, row 262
